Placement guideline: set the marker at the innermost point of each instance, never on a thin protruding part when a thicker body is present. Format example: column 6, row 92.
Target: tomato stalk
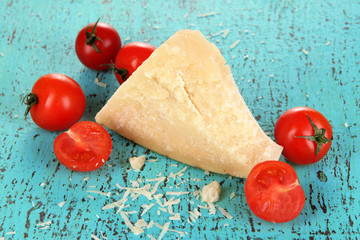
column 121, row 71
column 318, row 137
column 30, row 100
column 91, row 37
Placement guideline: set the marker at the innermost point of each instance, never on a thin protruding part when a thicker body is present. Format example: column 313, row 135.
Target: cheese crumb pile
column 164, row 203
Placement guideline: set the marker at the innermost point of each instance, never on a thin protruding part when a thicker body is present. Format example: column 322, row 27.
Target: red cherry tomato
column 56, row 102
column 97, row 44
column 305, row 135
column 129, row 58
column 86, row 146
column 273, row 192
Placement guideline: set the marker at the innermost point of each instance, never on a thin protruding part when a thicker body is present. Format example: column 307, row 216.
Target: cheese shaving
column 165, row 228
column 115, row 204
column 99, row 192
column 44, row 223
column 224, row 212
column 234, row 44
column 10, row 233
column 61, row 204
column 175, row 217
column 178, row 174
column 146, row 208
column 206, row 14
column 232, row 195
column 95, row 237
column 101, row 84
column 151, row 237
column 177, row 193
column 225, row 33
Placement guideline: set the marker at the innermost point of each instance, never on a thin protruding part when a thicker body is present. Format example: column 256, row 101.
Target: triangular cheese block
column 182, row 102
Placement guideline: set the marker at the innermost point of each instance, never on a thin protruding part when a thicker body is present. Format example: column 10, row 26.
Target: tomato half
column 273, row 192
column 86, row 146
column 305, row 135
column 129, row 58
column 97, row 44
column 56, row 102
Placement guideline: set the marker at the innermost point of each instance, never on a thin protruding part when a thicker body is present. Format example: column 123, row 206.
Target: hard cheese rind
column 182, row 102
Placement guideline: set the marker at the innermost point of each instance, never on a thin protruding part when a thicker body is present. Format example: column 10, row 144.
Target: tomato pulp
column 273, row 192
column 86, row 146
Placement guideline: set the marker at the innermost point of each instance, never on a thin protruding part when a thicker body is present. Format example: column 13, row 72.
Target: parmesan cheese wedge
column 182, row 102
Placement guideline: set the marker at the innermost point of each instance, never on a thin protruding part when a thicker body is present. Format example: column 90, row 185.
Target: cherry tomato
column 305, row 135
column 129, row 58
column 56, row 102
column 273, row 192
column 97, row 45
column 86, row 146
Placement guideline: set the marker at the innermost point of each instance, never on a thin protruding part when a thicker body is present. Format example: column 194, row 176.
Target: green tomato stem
column 30, row 100
column 318, row 137
column 91, row 37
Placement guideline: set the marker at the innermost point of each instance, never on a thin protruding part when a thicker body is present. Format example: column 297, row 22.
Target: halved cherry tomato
column 273, row 192
column 56, row 102
column 97, row 45
column 305, row 135
column 129, row 58
column 86, row 146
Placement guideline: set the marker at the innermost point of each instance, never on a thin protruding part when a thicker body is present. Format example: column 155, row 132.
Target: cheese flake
column 211, row 192
column 137, row 162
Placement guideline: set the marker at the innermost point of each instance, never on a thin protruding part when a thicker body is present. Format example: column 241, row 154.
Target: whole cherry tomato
column 86, row 146
column 273, row 192
column 129, row 58
column 97, row 45
column 56, row 102
column 304, row 133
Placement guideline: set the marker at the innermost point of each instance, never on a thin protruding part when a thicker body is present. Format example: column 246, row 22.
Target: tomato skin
column 108, row 47
column 130, row 57
column 294, row 123
column 273, row 192
column 61, row 102
column 85, row 147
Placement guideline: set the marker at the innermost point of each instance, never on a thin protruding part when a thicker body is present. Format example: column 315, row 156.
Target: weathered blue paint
column 289, row 53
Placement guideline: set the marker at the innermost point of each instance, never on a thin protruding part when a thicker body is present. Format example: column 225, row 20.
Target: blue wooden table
column 282, row 54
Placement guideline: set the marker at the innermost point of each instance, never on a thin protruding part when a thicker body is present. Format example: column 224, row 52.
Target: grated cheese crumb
column 305, row 52
column 10, row 233
column 233, row 194
column 346, row 125
column 327, row 43
column 137, row 162
column 61, row 204
column 211, row 192
column 87, row 178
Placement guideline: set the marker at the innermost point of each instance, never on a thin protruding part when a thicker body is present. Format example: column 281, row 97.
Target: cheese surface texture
column 182, row 102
